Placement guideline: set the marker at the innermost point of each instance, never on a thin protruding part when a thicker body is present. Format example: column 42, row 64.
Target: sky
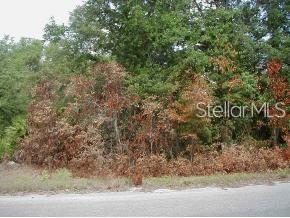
column 27, row 18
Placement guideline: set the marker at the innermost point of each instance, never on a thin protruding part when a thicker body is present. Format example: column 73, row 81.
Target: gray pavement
column 256, row 200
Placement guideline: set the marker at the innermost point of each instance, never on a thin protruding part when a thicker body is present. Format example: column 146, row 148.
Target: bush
column 106, row 130
column 12, row 136
column 233, row 159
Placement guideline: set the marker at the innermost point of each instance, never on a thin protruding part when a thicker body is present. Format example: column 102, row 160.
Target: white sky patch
column 27, row 18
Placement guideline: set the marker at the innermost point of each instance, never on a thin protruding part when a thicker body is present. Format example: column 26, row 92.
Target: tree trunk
column 117, row 132
column 276, row 132
column 151, row 138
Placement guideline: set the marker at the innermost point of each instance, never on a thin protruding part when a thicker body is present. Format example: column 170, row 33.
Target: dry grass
column 19, row 179
column 220, row 180
column 25, row 179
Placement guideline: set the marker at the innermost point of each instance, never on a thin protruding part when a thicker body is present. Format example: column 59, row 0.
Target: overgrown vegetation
column 116, row 91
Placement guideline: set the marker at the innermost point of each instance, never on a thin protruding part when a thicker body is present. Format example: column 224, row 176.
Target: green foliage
column 12, row 136
column 164, row 46
column 19, row 65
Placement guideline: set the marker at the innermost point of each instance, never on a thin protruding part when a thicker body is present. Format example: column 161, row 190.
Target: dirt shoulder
column 19, row 179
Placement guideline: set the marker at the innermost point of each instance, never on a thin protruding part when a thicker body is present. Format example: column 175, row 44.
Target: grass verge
column 19, row 179
column 219, row 180
column 25, row 179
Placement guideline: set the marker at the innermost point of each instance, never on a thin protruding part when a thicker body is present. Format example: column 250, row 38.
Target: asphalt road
column 260, row 200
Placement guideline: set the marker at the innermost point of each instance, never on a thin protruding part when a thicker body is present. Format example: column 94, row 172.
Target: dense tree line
column 125, row 77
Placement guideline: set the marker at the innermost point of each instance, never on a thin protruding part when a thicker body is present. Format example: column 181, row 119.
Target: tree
column 20, row 63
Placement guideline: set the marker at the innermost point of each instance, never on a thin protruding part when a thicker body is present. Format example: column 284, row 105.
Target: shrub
column 12, row 136
column 104, row 129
